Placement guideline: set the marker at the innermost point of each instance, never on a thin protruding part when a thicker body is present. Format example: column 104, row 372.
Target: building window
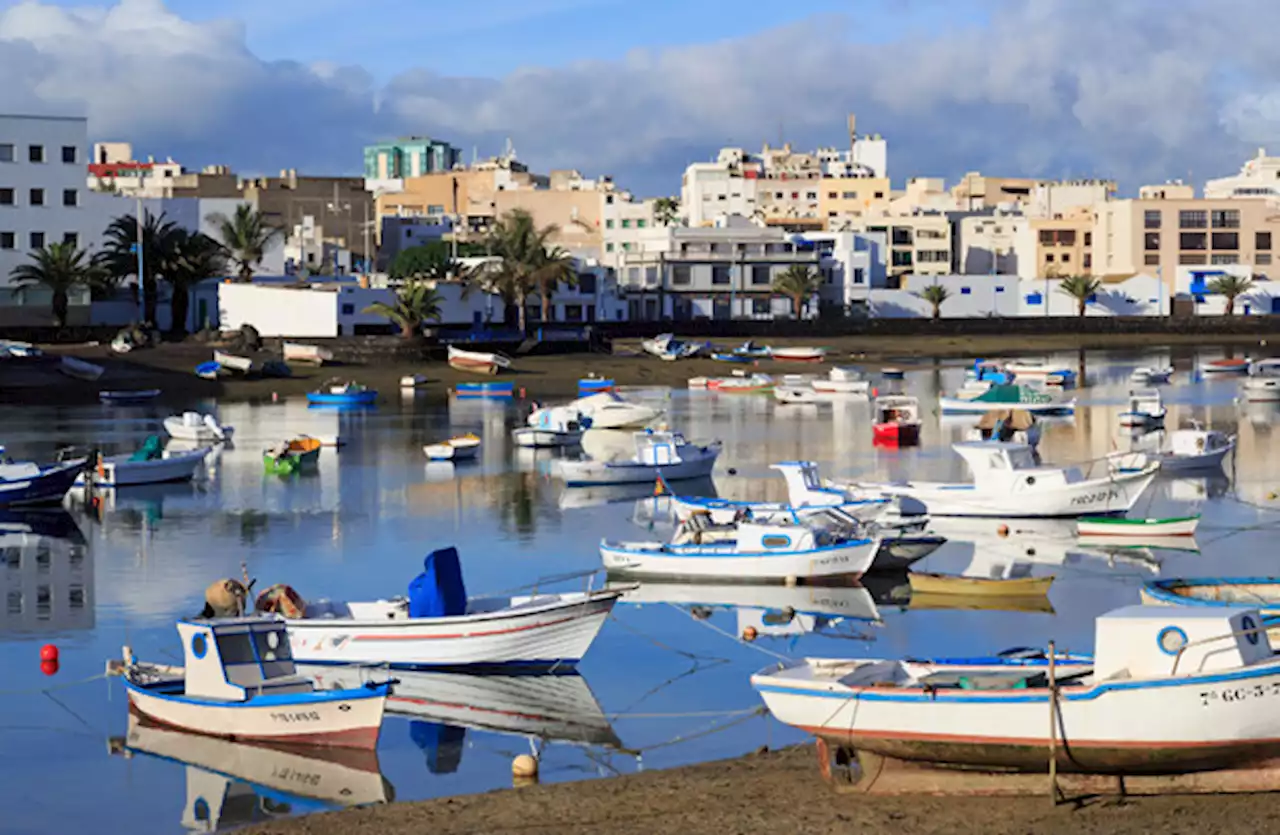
column 626, row 246
column 71, row 238
column 587, row 284
column 761, row 307
column 70, row 197
column 37, row 240
column 1192, row 258
column 37, row 197
column 795, row 195
column 626, row 224
column 1088, row 260
column 1224, row 258
column 1263, row 259
column 902, row 258
column 608, row 224
column 1049, row 258
column 348, row 310
column 608, row 247
column 1151, row 259
column 6, row 152
column 1151, row 219
column 7, row 240
column 879, row 195
column 813, row 195
column 760, row 275
column 1193, row 219
column 1088, row 239
column 6, row 197
column 902, row 236
column 1193, row 240
column 1225, row 240
column 681, row 276
column 1225, row 218
column 35, row 153
column 1262, row 240
column 640, row 224
column 831, row 195
column 69, row 154
column 1151, row 241
column 720, row 275
column 858, row 276
column 573, row 313
column 1066, row 257
column 849, row 195
column 965, row 291
column 1046, row 237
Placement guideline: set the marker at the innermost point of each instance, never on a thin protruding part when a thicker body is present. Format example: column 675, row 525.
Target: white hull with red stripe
column 531, row 632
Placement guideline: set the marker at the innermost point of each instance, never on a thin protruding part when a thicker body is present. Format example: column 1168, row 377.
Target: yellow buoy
column 524, row 767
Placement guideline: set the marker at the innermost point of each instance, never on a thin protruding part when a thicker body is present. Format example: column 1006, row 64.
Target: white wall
column 278, row 311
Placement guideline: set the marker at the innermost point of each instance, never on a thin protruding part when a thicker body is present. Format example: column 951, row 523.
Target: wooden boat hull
column 544, row 631
column 339, row 718
column 471, row 390
column 478, row 362
column 979, row 586
column 1235, row 366
column 1144, row 528
column 850, row 559
column 231, row 362
column 896, row 434
column 291, row 462
column 1261, row 593
column 860, row 388
column 451, row 452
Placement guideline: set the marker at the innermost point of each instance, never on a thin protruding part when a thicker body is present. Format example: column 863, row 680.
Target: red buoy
column 49, row 652
column 49, row 667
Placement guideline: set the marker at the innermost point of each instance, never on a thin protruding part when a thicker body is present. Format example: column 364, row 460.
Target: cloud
column 1134, row 90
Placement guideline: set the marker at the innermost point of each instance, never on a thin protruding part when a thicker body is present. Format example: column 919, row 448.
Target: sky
column 1135, row 90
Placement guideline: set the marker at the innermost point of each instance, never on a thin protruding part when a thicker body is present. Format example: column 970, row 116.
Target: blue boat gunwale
column 163, row 690
column 1159, row 589
column 667, row 549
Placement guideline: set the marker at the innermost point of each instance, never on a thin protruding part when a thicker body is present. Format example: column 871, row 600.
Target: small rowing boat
column 1145, row 528
column 480, row 362
column 482, row 390
column 799, row 353
column 1262, row 593
column 923, row 583
column 311, row 354
column 337, row 393
column 232, row 362
column 457, row 448
column 301, row 453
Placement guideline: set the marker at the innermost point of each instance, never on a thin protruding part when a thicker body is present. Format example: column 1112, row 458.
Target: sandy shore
column 777, row 792
column 169, row 367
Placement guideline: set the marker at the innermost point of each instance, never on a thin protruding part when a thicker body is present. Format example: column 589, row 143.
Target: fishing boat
column 436, row 625
column 413, row 381
column 233, row 362
column 923, row 583
column 194, row 426
column 983, row 397
column 1163, row 694
column 556, row 426
column 479, row 362
column 1145, row 408
column 307, row 354
column 339, row 393
column 897, row 421
column 239, row 682
column 610, row 410
column 125, row 398
column 231, row 784
column 588, row 386
column 740, row 359
column 1230, row 365
column 24, row 483
column 1261, row 593
column 841, row 380
column 1194, row 449
column 751, row 350
column 1009, row 482
column 1032, row 369
column 79, row 369
column 798, row 353
column 656, row 453
column 151, row 464
column 745, row 550
column 1263, row 383
column 473, row 391
column 1143, row 528
column 294, row 456
column 805, row 493
column 665, row 346
column 1151, row 375
column 458, row 448
column 208, row 370
column 1010, row 426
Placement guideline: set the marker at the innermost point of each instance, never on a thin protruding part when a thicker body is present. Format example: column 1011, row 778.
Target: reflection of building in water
column 46, row 576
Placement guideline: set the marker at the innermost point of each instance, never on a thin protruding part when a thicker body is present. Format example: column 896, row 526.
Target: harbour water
column 665, row 684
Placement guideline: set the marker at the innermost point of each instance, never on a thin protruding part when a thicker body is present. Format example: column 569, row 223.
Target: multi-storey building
column 918, row 243
column 1258, row 178
column 410, row 156
column 1002, row 243
column 1064, row 244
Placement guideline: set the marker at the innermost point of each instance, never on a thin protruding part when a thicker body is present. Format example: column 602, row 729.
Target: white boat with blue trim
column 437, row 626
column 1261, row 593
column 239, row 682
column 1169, row 690
column 1008, row 481
column 746, row 551
column 806, row 495
column 25, row 483
column 665, row 454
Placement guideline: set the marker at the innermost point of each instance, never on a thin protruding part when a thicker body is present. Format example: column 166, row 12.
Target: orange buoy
column 49, row 652
column 1002, row 531
column 749, row 634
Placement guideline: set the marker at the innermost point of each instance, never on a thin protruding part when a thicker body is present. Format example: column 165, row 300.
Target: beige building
column 846, row 197
column 975, row 191
column 922, row 194
column 1063, row 244
column 1161, row 235
column 918, row 244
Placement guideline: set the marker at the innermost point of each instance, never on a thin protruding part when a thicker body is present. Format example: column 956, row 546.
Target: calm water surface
column 666, row 682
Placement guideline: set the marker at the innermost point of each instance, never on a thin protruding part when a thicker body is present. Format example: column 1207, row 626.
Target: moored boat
column 1263, row 383
column 80, row 369
column 665, row 454
column 479, row 362
column 457, row 448
column 1031, row 369
column 307, row 354
column 293, row 456
column 1194, row 449
column 841, row 380
column 556, row 426
column 208, row 370
column 798, row 353
column 897, row 421
column 24, row 483
column 233, row 362
column 979, row 397
column 468, row 391
column 1229, row 365
column 1120, row 526
column 1145, row 408
column 925, row 583
column 749, row 384
column 436, row 625
column 1161, row 695
column 594, row 385
column 1261, row 593
column 151, row 464
column 338, row 393
column 239, row 682
column 1151, row 375
column 610, row 410
column 194, row 426
column 413, row 381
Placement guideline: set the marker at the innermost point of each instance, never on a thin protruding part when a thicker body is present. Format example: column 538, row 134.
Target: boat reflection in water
column 442, row 706
column 578, row 497
column 231, row 784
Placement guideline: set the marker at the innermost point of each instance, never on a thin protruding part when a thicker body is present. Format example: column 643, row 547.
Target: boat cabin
column 1192, row 442
column 897, row 409
column 804, row 485
column 11, row 470
column 1265, row 368
column 1147, row 641
column 1008, row 466
column 659, row 449
column 237, row 659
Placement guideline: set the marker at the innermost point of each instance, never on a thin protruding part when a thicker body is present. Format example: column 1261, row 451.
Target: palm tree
column 195, row 257
column 1231, row 287
column 666, row 210
column 935, row 294
column 797, row 282
column 61, row 268
column 416, row 301
column 428, row 261
column 246, row 235
column 523, row 261
column 1081, row 288
column 557, row 268
column 119, row 256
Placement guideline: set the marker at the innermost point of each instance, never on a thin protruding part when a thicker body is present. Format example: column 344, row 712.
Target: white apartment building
column 852, row 264
column 628, row 225
column 113, row 169
column 1058, row 198
column 997, row 244
column 42, row 192
column 1258, row 178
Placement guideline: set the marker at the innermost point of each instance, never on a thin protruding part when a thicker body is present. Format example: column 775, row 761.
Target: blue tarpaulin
column 438, row 591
